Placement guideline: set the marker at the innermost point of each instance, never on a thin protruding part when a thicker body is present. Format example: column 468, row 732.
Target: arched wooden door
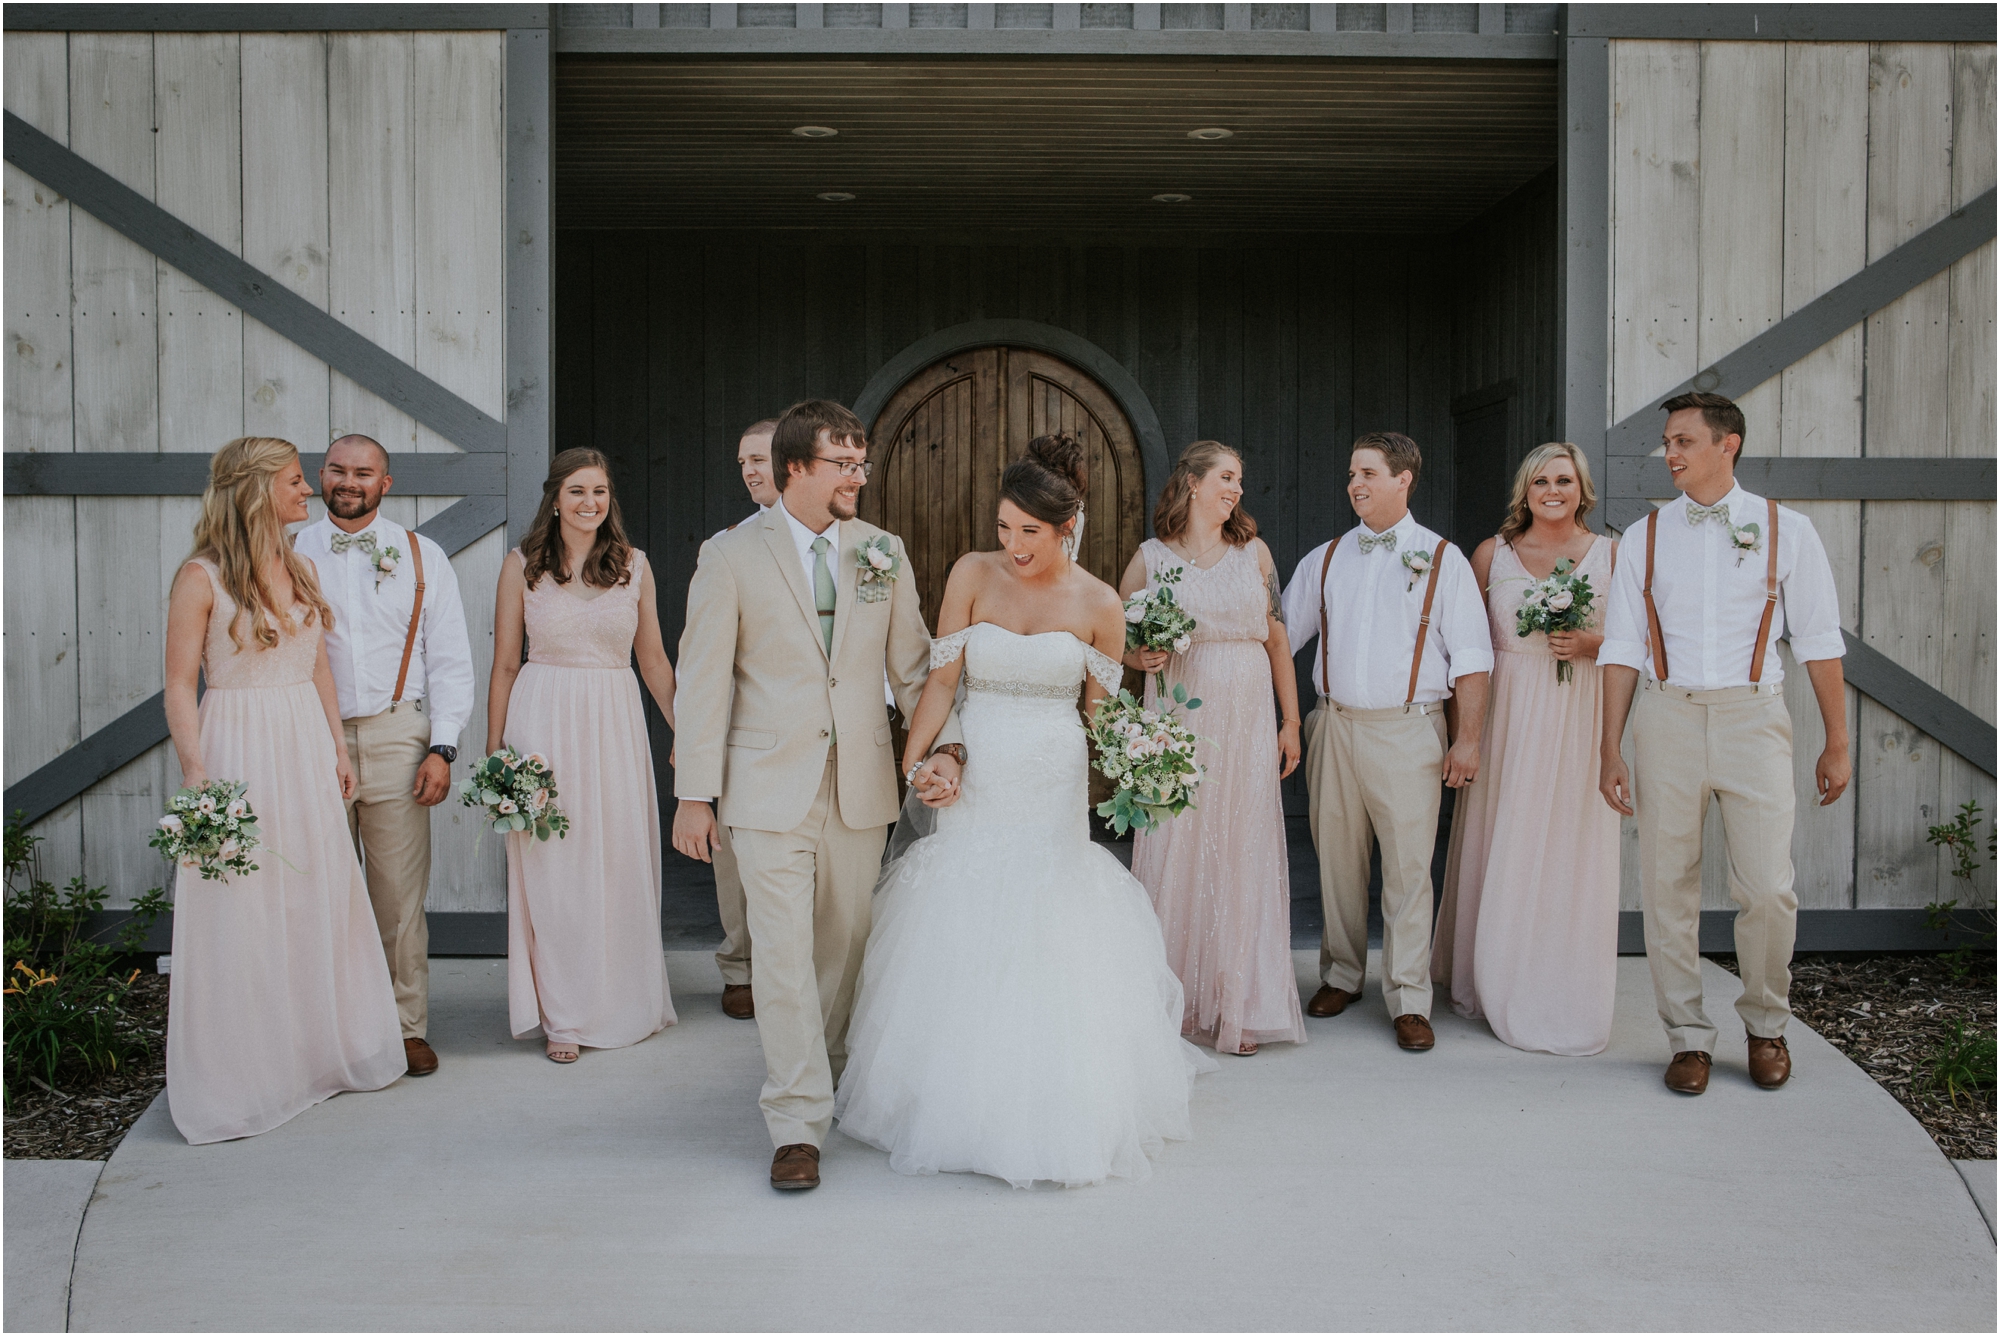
column 942, row 440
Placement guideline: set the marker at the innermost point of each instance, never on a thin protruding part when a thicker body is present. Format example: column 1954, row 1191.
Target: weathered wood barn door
column 943, row 439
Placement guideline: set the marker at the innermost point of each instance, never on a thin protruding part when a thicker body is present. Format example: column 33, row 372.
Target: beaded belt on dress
column 1014, row 686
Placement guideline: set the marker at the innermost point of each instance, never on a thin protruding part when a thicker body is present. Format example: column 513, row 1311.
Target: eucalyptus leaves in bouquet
column 209, row 828
column 1148, row 755
column 1154, row 619
column 1559, row 602
column 516, row 792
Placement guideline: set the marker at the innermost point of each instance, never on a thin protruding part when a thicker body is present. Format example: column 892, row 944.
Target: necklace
column 1195, row 560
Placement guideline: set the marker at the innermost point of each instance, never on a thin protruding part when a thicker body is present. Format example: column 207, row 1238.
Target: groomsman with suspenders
column 1401, row 627
column 1699, row 610
column 402, row 669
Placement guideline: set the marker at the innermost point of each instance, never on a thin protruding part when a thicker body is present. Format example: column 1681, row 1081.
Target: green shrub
column 1960, row 837
column 1961, row 1064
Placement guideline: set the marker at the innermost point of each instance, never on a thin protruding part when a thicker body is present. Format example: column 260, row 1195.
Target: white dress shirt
column 803, row 538
column 1373, row 608
column 365, row 644
column 1710, row 604
column 740, row 523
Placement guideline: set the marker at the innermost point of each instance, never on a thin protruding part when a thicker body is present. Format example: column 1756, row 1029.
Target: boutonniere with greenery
column 880, row 566
column 1418, row 563
column 1745, row 538
column 383, row 558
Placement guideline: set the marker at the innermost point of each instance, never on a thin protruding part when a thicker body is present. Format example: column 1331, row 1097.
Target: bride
column 1016, row 1015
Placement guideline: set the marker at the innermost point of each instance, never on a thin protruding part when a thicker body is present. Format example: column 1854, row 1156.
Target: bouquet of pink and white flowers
column 1149, row 755
column 209, row 828
column 1561, row 602
column 1154, row 619
column 516, row 792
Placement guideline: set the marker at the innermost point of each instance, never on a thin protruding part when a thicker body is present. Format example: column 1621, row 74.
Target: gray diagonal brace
column 1930, row 252
column 255, row 293
column 144, row 726
column 173, row 473
column 1918, row 703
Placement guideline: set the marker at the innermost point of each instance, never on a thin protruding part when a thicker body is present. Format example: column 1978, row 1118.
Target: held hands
column 1575, row 646
column 937, row 781
column 1288, row 748
column 694, row 830
column 1146, row 660
column 1461, row 764
column 433, row 781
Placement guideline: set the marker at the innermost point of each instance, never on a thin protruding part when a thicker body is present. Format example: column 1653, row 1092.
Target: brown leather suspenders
column 1652, row 612
column 1770, row 595
column 1324, row 567
column 416, row 611
column 1423, row 623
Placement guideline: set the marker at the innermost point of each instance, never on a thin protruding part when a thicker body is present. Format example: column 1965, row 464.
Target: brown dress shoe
column 736, row 1003
column 423, row 1061
column 1414, row 1033
column 1770, row 1062
column 1329, row 1001
column 795, row 1167
column 1688, row 1072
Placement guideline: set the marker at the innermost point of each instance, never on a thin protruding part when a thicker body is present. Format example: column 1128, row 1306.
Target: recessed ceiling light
column 814, row 131
column 835, row 196
column 1172, row 198
column 1206, row 132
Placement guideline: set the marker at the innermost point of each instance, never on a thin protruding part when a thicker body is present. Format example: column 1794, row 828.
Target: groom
column 782, row 718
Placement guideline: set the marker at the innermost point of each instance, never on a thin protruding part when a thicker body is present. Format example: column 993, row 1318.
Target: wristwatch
column 955, row 750
column 450, row 754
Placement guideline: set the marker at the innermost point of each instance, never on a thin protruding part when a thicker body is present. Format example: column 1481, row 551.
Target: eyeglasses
column 848, row 468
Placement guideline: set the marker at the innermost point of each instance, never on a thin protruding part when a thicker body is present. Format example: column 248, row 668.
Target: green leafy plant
column 1961, row 1064
column 1960, row 837
column 64, row 991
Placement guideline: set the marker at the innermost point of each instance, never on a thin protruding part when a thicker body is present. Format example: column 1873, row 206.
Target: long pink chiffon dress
column 1219, row 875
column 584, row 958
column 281, row 993
column 1527, row 934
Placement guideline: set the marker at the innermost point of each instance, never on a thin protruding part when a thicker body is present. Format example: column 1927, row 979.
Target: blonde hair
column 1170, row 517
column 239, row 529
column 1518, row 520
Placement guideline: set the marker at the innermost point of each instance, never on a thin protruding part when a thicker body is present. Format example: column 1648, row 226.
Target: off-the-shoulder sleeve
column 1110, row 673
column 947, row 648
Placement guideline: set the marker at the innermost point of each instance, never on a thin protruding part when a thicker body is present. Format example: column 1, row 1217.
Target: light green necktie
column 823, row 590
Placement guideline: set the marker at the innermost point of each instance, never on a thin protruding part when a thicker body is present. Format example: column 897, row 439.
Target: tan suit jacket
column 760, row 700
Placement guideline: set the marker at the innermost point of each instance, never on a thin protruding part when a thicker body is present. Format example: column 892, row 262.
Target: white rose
column 879, row 559
column 228, row 850
column 206, row 806
column 536, row 758
column 1135, row 612
column 1181, row 644
column 387, row 565
column 1560, row 600
column 171, row 824
column 238, row 808
column 1136, row 750
column 508, row 807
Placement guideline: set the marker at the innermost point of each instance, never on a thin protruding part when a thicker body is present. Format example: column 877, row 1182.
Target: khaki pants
column 1376, row 776
column 392, row 834
column 1734, row 746
column 807, row 892
column 734, row 957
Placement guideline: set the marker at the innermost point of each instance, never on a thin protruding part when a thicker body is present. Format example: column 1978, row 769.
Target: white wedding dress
column 1016, row 1015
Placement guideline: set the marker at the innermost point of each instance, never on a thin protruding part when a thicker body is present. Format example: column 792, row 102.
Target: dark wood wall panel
column 1503, row 310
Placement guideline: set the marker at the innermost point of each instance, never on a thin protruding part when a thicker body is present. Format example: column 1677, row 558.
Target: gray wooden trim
column 1922, row 705
column 530, row 275
column 1078, row 351
column 255, row 293
column 144, row 726
column 1785, row 23
column 1205, row 43
column 1795, row 478
column 1923, row 256
column 150, row 473
column 1583, row 265
column 1824, row 930
column 269, row 18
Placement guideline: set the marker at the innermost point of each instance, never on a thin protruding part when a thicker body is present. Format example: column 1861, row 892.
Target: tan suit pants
column 808, row 895
column 734, row 957
column 1376, row 776
column 1733, row 746
column 392, row 834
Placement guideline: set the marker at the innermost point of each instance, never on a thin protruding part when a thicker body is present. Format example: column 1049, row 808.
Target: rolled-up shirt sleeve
column 1301, row 600
column 1812, row 602
column 1467, row 636
column 1625, row 636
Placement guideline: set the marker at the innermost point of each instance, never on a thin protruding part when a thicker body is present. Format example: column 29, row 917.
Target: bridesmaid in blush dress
column 1219, row 875
column 281, row 994
column 1527, row 934
column 584, row 958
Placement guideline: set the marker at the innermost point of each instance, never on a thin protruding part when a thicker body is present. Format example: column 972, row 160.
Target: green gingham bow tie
column 364, row 541
column 1696, row 514
column 1369, row 542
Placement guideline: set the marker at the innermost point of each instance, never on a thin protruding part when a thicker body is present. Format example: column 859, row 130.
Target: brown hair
column 1719, row 411
column 1049, row 482
column 1399, row 450
column 1170, row 517
column 760, row 427
column 239, row 529
column 796, row 436
column 610, row 560
column 1518, row 520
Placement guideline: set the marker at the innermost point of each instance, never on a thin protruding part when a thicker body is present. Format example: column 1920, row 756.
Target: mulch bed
column 91, row 1117
column 1889, row 1014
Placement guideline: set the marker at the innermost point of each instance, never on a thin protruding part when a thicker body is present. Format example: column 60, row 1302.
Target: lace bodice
column 566, row 630
column 1051, row 665
column 1507, row 583
column 231, row 667
column 1228, row 601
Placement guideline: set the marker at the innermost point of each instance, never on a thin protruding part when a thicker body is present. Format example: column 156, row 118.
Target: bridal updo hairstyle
column 610, row 561
column 1049, row 482
column 1170, row 517
column 239, row 529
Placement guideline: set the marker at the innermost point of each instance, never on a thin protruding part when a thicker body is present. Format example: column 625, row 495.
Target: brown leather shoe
column 422, row 1059
column 1414, row 1033
column 1770, row 1062
column 1329, row 1001
column 736, row 1003
column 1688, row 1072
column 795, row 1168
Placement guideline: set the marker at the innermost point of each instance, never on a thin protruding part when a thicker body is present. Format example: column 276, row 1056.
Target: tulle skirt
column 281, row 994
column 1016, row 1016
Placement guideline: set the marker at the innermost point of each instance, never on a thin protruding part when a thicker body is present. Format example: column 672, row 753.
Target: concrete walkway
column 45, row 1205
column 1339, row 1185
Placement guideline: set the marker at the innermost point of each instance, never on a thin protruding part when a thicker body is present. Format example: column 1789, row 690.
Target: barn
column 481, row 233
